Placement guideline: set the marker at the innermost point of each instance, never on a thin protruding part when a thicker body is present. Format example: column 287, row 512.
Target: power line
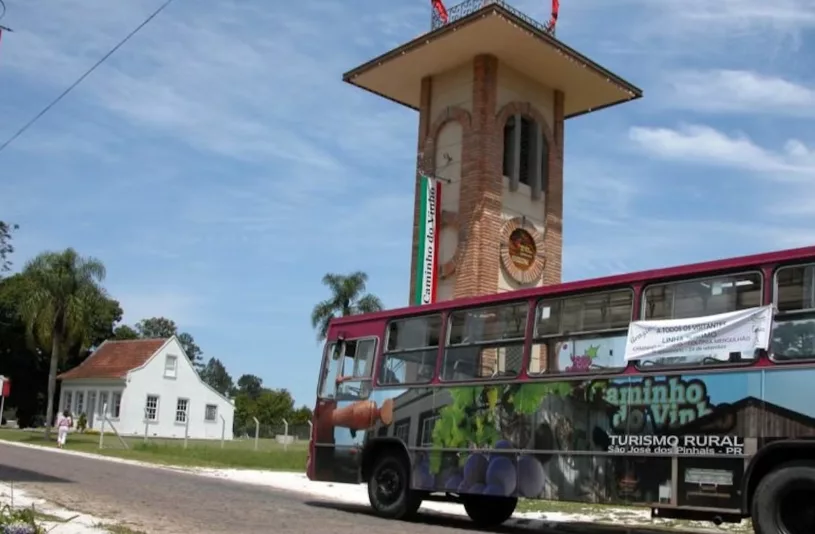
column 70, row 88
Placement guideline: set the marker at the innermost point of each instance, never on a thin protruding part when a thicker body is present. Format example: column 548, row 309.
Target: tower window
column 521, row 146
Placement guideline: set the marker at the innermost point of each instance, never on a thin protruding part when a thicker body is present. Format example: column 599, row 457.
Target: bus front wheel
column 389, row 489
column 782, row 502
column 489, row 511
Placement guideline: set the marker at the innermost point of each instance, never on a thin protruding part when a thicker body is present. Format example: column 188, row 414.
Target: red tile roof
column 113, row 359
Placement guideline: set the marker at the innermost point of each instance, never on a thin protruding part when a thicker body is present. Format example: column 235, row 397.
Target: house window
column 79, row 402
column 66, row 401
column 151, row 408
column 170, row 366
column 103, row 400
column 116, row 401
column 181, row 408
column 211, row 412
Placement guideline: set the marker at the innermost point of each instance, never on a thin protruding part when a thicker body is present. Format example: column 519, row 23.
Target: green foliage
column 270, row 406
column 528, row 397
column 56, row 311
column 301, row 416
column 348, row 297
column 19, row 521
column 62, row 291
column 470, row 420
column 214, row 373
column 124, row 333
column 250, row 385
column 6, row 248
column 82, row 422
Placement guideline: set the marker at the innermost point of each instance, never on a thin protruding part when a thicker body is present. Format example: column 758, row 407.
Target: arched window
column 526, row 154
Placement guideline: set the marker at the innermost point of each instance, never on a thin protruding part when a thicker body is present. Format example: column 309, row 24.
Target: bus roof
column 652, row 275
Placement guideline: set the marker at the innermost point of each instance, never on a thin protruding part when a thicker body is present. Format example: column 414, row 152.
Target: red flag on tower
column 441, row 11
column 555, row 10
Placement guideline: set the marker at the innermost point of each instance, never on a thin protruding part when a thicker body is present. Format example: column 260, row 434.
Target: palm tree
column 348, row 297
column 62, row 290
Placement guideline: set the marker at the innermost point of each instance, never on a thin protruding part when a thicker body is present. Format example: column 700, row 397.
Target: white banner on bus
column 711, row 336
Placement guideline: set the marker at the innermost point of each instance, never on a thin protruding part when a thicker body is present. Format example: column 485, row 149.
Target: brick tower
column 493, row 88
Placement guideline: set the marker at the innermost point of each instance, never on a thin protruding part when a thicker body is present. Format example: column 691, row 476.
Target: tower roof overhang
column 397, row 75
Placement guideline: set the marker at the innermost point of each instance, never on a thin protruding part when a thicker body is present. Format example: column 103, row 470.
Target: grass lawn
column 199, row 453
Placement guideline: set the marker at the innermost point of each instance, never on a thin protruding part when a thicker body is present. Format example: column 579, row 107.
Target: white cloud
column 230, row 78
column 729, row 91
column 704, row 144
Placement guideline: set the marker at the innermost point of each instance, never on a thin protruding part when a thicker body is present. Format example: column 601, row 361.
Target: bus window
column 793, row 336
column 359, row 358
column 700, row 297
column 410, row 352
column 331, row 370
column 485, row 343
column 696, row 298
column 581, row 334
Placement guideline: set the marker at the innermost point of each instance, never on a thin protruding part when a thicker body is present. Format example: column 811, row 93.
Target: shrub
column 18, row 521
column 82, row 423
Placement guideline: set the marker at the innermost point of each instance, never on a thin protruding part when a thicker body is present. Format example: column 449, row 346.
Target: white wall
column 151, row 380
column 95, row 391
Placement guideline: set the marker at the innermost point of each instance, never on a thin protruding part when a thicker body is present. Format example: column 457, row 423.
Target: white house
column 146, row 383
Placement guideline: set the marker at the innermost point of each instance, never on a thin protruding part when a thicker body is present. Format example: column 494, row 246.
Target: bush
column 82, row 423
column 18, row 521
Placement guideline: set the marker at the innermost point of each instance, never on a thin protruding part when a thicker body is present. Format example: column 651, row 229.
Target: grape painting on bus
column 569, row 439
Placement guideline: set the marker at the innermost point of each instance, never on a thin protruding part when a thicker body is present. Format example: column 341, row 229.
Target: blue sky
column 219, row 167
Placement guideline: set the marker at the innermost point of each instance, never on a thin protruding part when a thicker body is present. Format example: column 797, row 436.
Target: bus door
column 343, row 413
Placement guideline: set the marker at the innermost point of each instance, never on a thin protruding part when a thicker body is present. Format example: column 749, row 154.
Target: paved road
column 168, row 502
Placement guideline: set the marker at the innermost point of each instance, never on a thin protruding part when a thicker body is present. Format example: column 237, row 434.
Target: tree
column 161, row 327
column 348, row 297
column 62, row 289
column 301, row 416
column 193, row 351
column 274, row 405
column 124, row 333
column 250, row 385
column 6, row 248
column 156, row 327
column 214, row 374
column 104, row 316
column 26, row 364
column 270, row 406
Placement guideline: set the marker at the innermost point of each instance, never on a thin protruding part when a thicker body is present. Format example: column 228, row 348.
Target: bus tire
column 389, row 489
column 775, row 509
column 489, row 511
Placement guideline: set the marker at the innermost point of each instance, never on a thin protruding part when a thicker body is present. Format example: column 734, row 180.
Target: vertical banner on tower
column 427, row 259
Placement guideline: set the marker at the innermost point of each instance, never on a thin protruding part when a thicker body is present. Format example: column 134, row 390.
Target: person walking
column 64, row 423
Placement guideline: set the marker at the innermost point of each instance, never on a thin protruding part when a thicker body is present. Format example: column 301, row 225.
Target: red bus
column 528, row 394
